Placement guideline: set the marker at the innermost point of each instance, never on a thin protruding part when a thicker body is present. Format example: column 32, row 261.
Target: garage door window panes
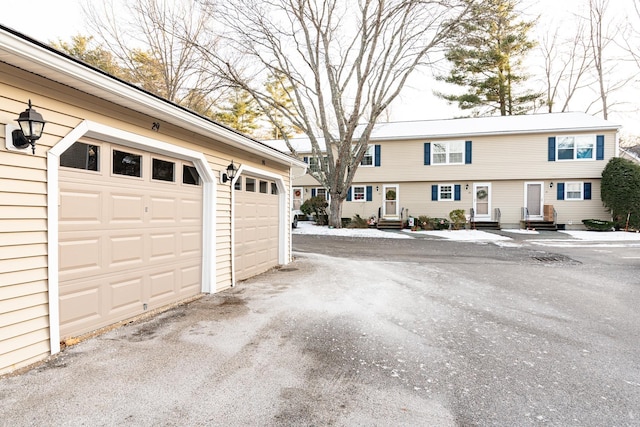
column 274, row 188
column 163, row 170
column 127, row 163
column 250, row 185
column 81, row 156
column 264, row 187
column 190, row 175
column 238, row 184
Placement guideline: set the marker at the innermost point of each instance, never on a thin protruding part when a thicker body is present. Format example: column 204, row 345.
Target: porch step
column 485, row 225
column 390, row 224
column 539, row 225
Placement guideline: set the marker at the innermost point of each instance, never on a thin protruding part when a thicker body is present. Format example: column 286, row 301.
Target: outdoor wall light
column 231, row 173
column 551, row 184
column 466, row 187
column 31, row 127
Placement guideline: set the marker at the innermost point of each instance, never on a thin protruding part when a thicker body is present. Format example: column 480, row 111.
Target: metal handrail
column 497, row 215
column 555, row 216
column 472, row 218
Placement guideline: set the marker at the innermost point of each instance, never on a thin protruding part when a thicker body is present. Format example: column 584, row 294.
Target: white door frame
column 110, row 134
column 539, row 217
column 487, row 216
column 386, row 214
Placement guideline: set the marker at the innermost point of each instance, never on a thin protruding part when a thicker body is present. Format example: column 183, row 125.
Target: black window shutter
column 552, row 149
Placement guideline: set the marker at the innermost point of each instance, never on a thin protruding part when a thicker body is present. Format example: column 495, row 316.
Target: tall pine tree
column 486, row 57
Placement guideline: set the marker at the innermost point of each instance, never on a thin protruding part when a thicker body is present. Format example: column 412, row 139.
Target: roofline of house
column 23, row 52
column 495, row 133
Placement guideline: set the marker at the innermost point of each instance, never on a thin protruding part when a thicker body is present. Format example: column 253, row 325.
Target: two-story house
column 507, row 170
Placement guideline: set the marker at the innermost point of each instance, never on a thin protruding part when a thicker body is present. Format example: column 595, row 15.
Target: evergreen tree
column 486, row 59
column 620, row 191
column 282, row 106
column 85, row 49
column 239, row 113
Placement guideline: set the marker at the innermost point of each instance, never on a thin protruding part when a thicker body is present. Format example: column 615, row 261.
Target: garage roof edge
column 23, row 52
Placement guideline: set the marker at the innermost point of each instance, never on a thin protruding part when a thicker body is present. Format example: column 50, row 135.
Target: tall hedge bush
column 620, row 191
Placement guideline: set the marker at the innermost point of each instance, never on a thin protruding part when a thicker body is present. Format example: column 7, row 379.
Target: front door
column 482, row 201
column 533, row 200
column 390, row 201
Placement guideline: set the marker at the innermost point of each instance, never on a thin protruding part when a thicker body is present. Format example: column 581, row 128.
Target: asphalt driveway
column 372, row 332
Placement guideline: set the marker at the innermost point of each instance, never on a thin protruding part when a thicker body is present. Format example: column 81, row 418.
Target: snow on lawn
column 308, row 227
column 603, row 236
column 305, row 227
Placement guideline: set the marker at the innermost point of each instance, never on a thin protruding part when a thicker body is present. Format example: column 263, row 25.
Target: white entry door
column 390, row 201
column 482, row 201
column 533, row 199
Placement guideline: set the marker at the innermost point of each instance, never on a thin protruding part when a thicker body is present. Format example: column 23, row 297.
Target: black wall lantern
column 31, row 127
column 231, row 173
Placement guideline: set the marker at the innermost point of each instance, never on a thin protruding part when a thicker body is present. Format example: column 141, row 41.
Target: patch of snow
column 603, row 236
column 520, row 231
column 308, row 227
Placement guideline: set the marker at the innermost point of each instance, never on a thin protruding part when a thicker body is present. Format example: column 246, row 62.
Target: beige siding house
column 508, row 171
column 123, row 208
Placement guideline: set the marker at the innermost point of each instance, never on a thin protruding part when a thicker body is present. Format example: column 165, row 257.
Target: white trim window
column 581, row 147
column 320, row 191
column 367, row 160
column 359, row 193
column 447, row 153
column 445, row 192
column 574, row 191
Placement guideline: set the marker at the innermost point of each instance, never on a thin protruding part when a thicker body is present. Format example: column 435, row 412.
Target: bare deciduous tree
column 150, row 39
column 602, row 35
column 342, row 63
column 566, row 67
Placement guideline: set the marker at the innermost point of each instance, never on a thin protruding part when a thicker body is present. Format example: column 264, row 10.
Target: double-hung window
column 367, row 160
column 576, row 147
column 359, row 193
column 573, row 190
column 447, row 153
column 445, row 192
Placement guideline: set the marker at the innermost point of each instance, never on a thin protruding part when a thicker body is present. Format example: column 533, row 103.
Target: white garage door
column 130, row 234
column 256, row 226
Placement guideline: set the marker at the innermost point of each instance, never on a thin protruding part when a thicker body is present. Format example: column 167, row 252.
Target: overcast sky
column 60, row 19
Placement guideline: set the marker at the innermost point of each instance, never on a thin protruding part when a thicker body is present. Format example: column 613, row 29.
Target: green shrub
column 458, row 218
column 358, row 222
column 424, row 222
column 316, row 206
column 439, row 223
column 598, row 225
column 620, row 191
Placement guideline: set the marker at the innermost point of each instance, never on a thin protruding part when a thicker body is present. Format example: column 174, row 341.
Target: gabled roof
column 23, row 52
column 549, row 123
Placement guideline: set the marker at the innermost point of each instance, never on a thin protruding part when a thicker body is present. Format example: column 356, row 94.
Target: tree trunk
column 335, row 211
